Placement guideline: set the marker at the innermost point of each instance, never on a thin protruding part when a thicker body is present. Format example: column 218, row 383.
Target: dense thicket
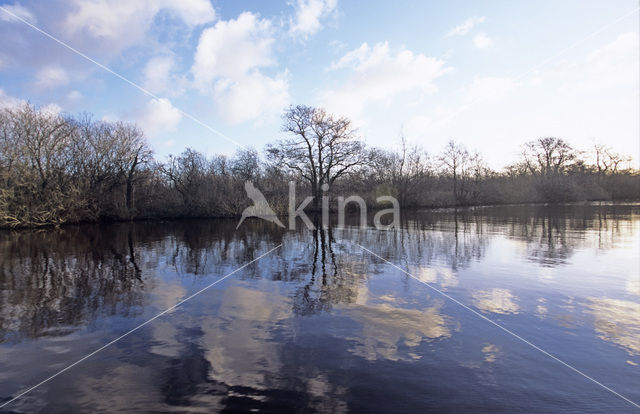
column 56, row 168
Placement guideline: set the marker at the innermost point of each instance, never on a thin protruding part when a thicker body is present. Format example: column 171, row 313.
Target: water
column 322, row 325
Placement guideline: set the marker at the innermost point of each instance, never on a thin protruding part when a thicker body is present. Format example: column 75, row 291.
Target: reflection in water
column 240, row 343
column 495, row 300
column 541, row 308
column 443, row 277
column 490, row 352
column 384, row 327
column 617, row 321
column 326, row 286
column 633, row 285
column 52, row 281
column 320, row 325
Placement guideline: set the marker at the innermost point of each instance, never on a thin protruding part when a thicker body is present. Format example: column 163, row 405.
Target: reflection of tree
column 201, row 247
column 54, row 280
column 455, row 237
column 331, row 281
column 552, row 233
column 245, row 346
column 548, row 243
column 435, row 240
column 451, row 238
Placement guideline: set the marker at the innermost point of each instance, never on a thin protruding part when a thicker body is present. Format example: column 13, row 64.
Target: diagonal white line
column 135, row 85
column 500, row 326
column 138, row 327
column 578, row 43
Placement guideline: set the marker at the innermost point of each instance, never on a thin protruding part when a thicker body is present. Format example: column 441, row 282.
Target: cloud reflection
column 496, row 300
column 386, row 328
column 617, row 321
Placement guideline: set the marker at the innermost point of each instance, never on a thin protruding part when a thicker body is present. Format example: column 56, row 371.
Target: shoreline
column 370, row 209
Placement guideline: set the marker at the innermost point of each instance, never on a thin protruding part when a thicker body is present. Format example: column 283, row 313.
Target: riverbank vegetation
column 58, row 169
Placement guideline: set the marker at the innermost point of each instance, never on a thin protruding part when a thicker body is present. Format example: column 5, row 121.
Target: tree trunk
column 129, row 192
column 317, row 199
column 129, row 198
column 455, row 187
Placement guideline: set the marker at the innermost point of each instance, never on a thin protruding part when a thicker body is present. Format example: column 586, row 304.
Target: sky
column 219, row 74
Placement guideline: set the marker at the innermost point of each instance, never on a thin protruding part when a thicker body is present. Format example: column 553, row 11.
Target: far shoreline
column 371, row 209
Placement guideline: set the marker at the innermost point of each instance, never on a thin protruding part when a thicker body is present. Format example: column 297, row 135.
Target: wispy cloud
column 482, row 41
column 378, row 74
column 20, row 11
column 51, row 77
column 8, row 101
column 161, row 76
column 308, row 15
column 466, row 26
column 158, row 116
column 119, row 24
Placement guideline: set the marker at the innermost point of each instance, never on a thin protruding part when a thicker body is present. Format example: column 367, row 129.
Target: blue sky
column 490, row 74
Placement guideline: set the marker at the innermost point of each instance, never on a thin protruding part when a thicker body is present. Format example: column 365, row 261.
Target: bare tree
column 186, row 172
column 546, row 156
column 406, row 170
column 61, row 168
column 321, row 147
column 478, row 171
column 37, row 160
column 456, row 159
column 607, row 160
column 131, row 153
column 246, row 165
column 599, row 152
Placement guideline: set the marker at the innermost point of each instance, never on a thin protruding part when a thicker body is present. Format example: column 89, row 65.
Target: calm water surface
column 322, row 325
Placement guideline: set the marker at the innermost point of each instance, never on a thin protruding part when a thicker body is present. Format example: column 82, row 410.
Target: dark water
column 322, row 325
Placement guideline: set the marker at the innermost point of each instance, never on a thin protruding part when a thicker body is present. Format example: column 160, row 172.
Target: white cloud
column 122, row 20
column 611, row 67
column 193, row 12
column 74, row 96
column 590, row 95
column 52, row 108
column 482, row 41
column 308, row 15
column 337, row 46
column 233, row 47
column 466, row 26
column 123, row 23
column 51, row 76
column 159, row 116
column 378, row 74
column 8, row 101
column 160, row 78
column 20, row 11
column 254, row 97
column 227, row 64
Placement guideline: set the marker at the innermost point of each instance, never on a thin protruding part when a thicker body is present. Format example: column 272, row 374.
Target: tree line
column 57, row 168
